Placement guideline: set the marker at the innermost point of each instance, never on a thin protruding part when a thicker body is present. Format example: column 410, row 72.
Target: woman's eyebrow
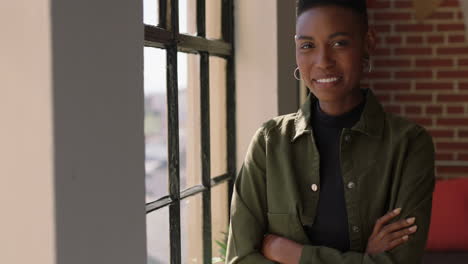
column 334, row 35
column 298, row 37
column 337, row 34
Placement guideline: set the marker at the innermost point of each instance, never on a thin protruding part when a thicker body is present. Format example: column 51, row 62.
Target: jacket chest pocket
column 279, row 224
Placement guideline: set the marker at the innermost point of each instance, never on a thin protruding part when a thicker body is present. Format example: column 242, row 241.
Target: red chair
column 448, row 233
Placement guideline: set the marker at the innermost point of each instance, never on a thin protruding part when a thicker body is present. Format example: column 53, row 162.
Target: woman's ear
column 370, row 41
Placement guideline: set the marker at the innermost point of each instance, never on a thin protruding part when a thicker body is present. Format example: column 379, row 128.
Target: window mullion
column 173, row 140
column 231, row 126
column 174, row 221
column 174, row 157
column 228, row 36
column 172, row 16
column 162, row 23
column 201, row 18
column 206, row 155
column 207, row 254
column 227, row 20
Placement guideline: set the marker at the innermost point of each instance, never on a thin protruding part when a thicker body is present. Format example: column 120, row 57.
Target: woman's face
column 330, row 47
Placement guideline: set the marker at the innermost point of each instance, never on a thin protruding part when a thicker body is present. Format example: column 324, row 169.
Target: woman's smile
column 327, row 83
column 328, row 80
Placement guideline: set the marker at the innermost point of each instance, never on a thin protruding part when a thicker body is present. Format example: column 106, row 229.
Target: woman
column 340, row 181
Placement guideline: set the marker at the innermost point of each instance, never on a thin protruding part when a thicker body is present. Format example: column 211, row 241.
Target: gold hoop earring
column 368, row 65
column 295, row 74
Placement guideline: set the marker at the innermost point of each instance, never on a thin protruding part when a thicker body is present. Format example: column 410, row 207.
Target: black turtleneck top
column 330, row 227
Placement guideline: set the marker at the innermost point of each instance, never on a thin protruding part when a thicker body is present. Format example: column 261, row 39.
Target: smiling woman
column 341, row 180
column 330, row 53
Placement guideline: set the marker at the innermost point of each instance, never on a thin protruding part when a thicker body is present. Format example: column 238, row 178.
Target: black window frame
column 166, row 36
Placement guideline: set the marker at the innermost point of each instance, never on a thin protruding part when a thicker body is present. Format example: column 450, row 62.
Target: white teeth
column 328, row 80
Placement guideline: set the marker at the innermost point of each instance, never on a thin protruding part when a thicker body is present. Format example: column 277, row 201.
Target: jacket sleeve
column 414, row 196
column 248, row 207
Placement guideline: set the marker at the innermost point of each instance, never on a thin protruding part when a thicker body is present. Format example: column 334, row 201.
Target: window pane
column 213, row 19
column 219, row 218
column 218, row 130
column 157, row 233
column 155, row 123
column 188, row 17
column 191, row 229
column 150, row 12
column 189, row 119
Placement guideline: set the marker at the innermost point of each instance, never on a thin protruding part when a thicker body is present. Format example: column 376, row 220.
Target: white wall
column 99, row 138
column 265, row 63
column 26, row 153
column 256, row 68
column 71, row 142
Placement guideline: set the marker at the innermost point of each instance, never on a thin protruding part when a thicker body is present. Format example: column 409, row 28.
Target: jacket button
column 355, row 229
column 347, row 138
column 351, row 185
column 314, row 187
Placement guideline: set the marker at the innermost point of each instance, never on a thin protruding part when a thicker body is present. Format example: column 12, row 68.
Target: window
column 189, row 127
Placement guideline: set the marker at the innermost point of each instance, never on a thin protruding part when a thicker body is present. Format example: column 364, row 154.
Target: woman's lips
column 328, row 81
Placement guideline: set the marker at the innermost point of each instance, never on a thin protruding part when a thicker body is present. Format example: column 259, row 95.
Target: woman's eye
column 340, row 43
column 307, row 46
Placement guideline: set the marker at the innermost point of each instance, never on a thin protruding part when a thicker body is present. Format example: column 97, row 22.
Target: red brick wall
column 421, row 72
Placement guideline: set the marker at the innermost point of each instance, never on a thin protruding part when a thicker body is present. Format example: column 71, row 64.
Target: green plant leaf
column 222, row 248
column 221, row 244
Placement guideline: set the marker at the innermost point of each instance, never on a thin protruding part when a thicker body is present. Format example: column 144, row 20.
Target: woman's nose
column 324, row 60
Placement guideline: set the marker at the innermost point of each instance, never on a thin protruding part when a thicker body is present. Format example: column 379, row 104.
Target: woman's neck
column 346, row 104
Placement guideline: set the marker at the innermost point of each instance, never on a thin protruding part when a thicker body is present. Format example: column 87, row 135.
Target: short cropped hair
column 358, row 6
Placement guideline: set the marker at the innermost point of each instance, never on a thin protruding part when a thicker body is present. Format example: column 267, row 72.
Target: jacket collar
column 371, row 122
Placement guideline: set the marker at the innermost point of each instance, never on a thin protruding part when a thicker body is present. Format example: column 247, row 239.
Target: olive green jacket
column 387, row 162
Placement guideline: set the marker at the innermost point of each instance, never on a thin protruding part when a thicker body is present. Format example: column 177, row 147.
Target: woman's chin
column 330, row 94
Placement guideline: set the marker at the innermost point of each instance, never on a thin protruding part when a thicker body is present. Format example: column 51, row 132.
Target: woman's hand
column 281, row 250
column 386, row 237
